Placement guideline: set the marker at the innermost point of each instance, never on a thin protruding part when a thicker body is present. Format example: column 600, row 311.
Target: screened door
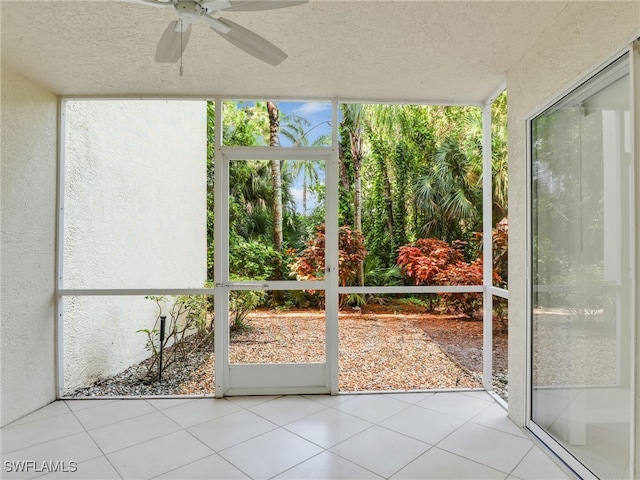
column 270, row 312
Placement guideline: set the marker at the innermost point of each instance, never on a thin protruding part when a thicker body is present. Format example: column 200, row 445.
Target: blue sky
column 318, row 114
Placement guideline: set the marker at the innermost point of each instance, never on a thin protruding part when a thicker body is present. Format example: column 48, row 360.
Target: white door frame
column 283, row 378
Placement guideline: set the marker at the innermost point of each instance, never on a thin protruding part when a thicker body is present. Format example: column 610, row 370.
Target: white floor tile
column 409, row 397
column 456, row 404
column 95, row 469
column 112, row 412
column 328, row 466
column 479, row 394
column 52, row 410
column 381, row 451
column 198, row 411
column 496, row 417
column 495, row 449
column 16, row 437
column 229, row 430
column 373, row 408
column 213, row 467
column 328, row 427
column 437, row 464
column 18, row 469
column 162, row 403
column 158, row 456
column 76, row 405
column 251, row 401
column 536, row 465
column 284, row 410
column 270, row 454
column 329, row 400
column 423, row 424
column 308, row 436
column 74, row 448
column 117, row 436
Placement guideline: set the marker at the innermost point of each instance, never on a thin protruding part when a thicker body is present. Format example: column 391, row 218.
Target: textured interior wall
column 135, row 217
column 28, row 246
column 585, row 35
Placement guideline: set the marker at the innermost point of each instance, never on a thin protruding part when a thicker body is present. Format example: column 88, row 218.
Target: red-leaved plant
column 430, row 261
column 310, row 263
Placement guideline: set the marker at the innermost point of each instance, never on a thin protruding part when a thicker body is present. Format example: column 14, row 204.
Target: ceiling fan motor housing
column 189, row 11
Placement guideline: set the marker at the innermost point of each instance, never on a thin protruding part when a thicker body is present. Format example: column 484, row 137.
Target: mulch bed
column 389, row 347
column 381, row 347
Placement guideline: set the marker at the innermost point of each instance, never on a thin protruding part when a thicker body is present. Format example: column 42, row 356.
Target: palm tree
column 353, row 122
column 449, row 193
column 274, row 141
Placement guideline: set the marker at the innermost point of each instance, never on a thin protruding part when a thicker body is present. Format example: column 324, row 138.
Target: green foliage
column 418, row 168
column 355, row 300
column 241, row 303
column 427, row 304
column 252, row 260
column 379, row 275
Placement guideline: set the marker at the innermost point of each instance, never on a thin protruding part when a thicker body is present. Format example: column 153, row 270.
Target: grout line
column 96, row 444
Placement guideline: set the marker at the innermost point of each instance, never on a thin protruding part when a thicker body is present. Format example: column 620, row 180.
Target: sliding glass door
column 582, row 275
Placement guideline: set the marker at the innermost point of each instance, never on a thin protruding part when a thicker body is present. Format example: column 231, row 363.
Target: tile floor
column 452, row 435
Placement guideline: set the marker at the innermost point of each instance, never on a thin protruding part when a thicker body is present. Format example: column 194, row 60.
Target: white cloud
column 311, row 108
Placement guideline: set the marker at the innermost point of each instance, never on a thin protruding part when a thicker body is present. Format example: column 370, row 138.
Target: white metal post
column 221, row 259
column 487, row 249
column 59, row 283
column 634, row 59
column 331, row 256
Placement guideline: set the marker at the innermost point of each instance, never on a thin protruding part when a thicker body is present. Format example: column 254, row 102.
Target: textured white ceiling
column 392, row 50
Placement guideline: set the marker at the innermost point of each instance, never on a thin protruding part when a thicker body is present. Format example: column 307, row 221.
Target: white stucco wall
column 585, row 35
column 28, row 246
column 134, row 217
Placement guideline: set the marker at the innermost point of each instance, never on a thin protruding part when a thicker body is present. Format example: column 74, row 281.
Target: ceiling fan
column 176, row 35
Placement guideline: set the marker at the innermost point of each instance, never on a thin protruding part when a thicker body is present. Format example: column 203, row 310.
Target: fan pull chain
column 181, row 48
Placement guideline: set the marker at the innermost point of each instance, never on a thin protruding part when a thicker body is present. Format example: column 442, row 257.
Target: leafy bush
column 424, row 259
column 500, row 242
column 188, row 315
column 461, row 273
column 253, row 260
column 241, row 303
column 430, row 261
column 310, row 263
column 375, row 274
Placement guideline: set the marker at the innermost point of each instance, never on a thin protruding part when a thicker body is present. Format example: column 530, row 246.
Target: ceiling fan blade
column 212, row 6
column 153, row 3
column 216, row 24
column 255, row 5
column 252, row 43
column 173, row 42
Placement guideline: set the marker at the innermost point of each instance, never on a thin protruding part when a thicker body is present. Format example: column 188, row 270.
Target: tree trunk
column 274, row 129
column 344, row 178
column 356, row 151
